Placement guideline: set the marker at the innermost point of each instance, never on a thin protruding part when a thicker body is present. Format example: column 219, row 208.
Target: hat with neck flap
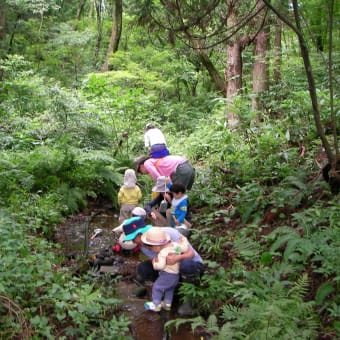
column 134, row 226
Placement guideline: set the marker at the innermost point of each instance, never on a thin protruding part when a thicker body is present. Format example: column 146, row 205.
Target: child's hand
column 167, row 196
column 172, row 259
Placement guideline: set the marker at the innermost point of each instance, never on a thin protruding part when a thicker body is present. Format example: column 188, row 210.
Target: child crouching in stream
column 164, row 287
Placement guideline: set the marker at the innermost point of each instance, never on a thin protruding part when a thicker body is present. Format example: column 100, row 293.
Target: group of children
column 172, row 205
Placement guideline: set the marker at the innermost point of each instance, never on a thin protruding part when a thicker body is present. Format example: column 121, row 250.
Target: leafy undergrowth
column 275, row 276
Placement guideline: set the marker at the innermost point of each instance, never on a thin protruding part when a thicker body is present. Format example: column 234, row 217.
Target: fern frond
column 288, row 234
column 212, row 325
column 178, row 322
column 297, row 182
column 300, row 289
column 229, row 312
column 96, row 156
column 247, row 248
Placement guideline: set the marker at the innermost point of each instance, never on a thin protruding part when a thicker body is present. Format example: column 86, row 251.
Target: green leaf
column 266, row 258
column 324, row 290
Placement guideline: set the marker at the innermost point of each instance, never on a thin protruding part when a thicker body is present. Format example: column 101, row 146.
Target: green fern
column 229, row 312
column 247, row 248
column 71, row 199
column 300, row 289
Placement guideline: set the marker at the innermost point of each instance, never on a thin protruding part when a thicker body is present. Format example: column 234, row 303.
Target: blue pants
column 165, row 284
column 159, row 151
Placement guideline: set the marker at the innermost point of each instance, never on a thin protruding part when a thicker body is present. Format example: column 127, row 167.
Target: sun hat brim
column 132, row 236
column 163, row 188
column 155, row 242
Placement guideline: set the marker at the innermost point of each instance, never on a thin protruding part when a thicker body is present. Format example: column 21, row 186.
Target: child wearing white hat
column 164, row 287
column 127, row 245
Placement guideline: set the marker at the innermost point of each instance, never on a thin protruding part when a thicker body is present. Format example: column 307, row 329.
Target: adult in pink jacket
column 178, row 168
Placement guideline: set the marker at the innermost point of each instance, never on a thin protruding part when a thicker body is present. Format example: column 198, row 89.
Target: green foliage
column 248, row 249
column 31, row 276
column 60, row 145
column 250, row 199
column 215, row 283
column 275, row 315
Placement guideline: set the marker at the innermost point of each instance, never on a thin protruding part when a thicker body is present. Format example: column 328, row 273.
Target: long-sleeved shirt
column 165, row 166
column 159, row 263
column 175, row 236
column 153, row 136
column 129, row 195
column 179, row 208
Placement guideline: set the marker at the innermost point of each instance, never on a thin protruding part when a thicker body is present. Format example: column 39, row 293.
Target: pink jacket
column 165, row 166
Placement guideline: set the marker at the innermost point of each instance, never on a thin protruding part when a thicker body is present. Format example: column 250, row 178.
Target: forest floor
column 219, row 227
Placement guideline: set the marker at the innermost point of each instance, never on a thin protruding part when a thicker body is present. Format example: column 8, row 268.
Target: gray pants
column 126, row 212
column 165, row 284
column 184, row 174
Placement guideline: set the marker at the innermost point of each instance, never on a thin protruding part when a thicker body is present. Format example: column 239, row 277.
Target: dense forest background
column 248, row 91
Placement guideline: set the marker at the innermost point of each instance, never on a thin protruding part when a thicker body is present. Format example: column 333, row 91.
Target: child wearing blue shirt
column 179, row 205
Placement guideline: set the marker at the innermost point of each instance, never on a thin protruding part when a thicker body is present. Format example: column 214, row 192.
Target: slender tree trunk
column 80, row 11
column 116, row 32
column 3, row 32
column 260, row 69
column 3, row 11
column 277, row 52
column 334, row 164
column 260, row 66
column 214, row 74
column 233, row 71
column 233, row 75
column 206, row 62
column 98, row 4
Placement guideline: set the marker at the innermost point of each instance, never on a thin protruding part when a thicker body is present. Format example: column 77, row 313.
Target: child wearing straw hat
column 164, row 287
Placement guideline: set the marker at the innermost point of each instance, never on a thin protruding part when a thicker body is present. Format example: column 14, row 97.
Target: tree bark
column 214, row 74
column 3, row 11
column 277, row 52
column 79, row 13
column 98, row 4
column 233, row 71
column 80, row 9
column 116, row 32
column 3, row 32
column 260, row 66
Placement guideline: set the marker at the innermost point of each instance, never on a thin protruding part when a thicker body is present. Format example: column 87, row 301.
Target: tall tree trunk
column 277, row 52
column 3, row 11
column 233, row 75
column 3, row 32
column 117, row 14
column 98, row 4
column 260, row 66
column 233, row 71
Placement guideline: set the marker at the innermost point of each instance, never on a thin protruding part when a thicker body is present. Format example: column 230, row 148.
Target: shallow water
column 75, row 237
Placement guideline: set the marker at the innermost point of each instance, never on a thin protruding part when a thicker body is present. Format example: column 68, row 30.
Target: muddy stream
column 75, row 238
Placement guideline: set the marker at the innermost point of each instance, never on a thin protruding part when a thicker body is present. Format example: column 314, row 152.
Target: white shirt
column 153, row 136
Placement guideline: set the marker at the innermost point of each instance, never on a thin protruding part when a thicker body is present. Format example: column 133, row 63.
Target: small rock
column 185, row 309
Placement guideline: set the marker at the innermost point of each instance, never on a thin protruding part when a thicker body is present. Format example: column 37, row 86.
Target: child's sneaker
column 166, row 306
column 152, row 307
